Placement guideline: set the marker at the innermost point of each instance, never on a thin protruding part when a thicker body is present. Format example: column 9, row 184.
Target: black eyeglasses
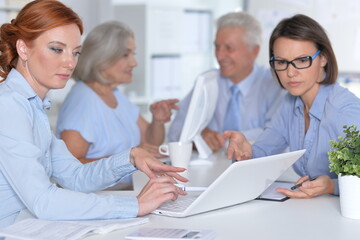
column 299, row 63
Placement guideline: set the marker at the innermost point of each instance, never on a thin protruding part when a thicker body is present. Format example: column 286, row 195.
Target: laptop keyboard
column 179, row 205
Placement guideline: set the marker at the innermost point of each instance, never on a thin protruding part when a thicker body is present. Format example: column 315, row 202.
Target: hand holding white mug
column 179, row 153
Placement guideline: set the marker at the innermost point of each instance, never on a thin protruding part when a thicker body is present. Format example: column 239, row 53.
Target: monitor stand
column 203, row 149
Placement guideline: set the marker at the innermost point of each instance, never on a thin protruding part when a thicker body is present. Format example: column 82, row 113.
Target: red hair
column 34, row 18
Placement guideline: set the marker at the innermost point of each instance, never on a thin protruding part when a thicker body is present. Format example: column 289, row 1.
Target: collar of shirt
column 19, row 84
column 318, row 106
column 246, row 84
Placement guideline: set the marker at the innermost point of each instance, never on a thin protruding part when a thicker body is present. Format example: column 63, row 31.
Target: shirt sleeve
column 273, row 139
column 27, row 173
column 278, row 98
column 31, row 184
column 252, row 134
column 94, row 176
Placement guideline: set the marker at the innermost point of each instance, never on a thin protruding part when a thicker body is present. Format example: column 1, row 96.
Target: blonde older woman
column 97, row 119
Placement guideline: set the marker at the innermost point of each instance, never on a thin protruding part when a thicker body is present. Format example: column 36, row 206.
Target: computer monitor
column 200, row 112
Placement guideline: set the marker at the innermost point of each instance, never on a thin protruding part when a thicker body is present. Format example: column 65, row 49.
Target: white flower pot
column 349, row 187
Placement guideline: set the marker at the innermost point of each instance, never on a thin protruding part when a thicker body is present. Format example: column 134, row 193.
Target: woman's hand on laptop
column 156, row 192
column 239, row 148
column 152, row 167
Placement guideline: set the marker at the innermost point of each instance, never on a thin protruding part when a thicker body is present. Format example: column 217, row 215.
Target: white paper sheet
column 30, row 229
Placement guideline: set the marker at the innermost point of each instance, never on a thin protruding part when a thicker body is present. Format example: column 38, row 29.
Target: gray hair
column 243, row 20
column 103, row 46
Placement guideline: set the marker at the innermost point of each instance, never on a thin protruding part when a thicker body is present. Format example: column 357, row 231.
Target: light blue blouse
column 107, row 130
column 259, row 98
column 333, row 107
column 31, row 156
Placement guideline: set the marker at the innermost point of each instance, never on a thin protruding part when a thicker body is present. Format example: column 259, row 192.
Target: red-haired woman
column 39, row 51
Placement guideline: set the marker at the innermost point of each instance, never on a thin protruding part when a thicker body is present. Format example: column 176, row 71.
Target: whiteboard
column 340, row 19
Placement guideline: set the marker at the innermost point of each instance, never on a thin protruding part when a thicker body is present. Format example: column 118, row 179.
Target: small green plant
column 345, row 154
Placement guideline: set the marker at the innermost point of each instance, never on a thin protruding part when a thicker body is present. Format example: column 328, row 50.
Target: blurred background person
column 96, row 118
column 248, row 95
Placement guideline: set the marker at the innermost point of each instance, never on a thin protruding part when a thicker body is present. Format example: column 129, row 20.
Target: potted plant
column 345, row 162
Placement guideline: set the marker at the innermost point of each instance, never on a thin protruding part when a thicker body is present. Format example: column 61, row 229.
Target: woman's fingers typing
column 156, row 192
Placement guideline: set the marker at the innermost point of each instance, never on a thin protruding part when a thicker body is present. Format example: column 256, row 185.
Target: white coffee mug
column 179, row 153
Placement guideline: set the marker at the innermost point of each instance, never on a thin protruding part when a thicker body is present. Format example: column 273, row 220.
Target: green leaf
column 344, row 154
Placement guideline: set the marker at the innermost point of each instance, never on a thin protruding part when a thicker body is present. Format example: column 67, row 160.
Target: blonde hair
column 103, row 46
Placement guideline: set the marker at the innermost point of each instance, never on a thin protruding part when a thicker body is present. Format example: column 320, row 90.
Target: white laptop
column 240, row 182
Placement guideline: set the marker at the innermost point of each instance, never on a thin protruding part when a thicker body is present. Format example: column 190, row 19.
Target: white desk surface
column 317, row 218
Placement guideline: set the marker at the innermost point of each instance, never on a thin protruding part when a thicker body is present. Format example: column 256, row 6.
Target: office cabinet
column 173, row 46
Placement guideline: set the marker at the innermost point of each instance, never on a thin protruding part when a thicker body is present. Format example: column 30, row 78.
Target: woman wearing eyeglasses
column 314, row 111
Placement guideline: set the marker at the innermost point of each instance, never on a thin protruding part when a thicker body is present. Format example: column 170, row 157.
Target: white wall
column 219, row 7
column 94, row 12
column 340, row 19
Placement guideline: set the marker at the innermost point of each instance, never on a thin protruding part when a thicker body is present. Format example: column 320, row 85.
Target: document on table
column 271, row 194
column 65, row 230
column 171, row 234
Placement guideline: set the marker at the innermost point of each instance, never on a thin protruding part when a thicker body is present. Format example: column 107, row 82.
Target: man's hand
column 214, row 139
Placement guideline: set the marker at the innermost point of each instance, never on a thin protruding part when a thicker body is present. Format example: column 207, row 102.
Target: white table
column 317, row 218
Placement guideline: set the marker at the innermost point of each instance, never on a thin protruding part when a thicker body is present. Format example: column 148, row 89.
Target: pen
column 300, row 184
column 191, row 189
